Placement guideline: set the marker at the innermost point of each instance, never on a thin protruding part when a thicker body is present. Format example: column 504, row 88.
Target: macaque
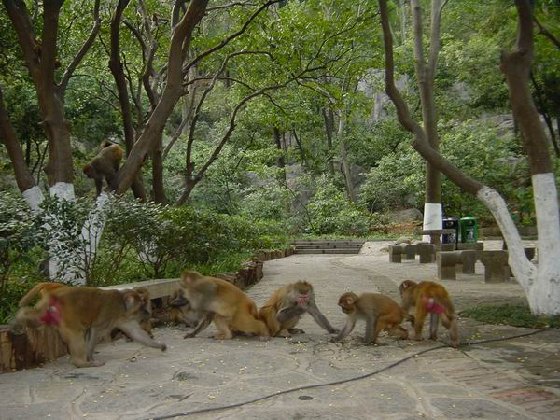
column 284, row 309
column 84, row 315
column 180, row 310
column 222, row 302
column 144, row 315
column 431, row 298
column 379, row 311
column 105, row 166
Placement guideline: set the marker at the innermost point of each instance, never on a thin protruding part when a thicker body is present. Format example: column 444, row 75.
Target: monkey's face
column 347, row 303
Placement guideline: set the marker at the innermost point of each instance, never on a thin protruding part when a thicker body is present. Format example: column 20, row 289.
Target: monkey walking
column 84, row 315
column 105, row 166
column 428, row 297
column 284, row 309
column 223, row 303
column 379, row 311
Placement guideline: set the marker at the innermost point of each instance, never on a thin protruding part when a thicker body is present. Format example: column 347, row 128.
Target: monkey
column 223, row 303
column 284, row 309
column 180, row 310
column 84, row 315
column 144, row 316
column 105, row 165
column 380, row 312
column 41, row 289
column 428, row 297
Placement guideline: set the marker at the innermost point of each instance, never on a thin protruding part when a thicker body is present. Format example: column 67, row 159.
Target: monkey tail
column 41, row 288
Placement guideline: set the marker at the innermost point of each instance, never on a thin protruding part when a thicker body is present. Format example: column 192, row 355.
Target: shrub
column 331, row 213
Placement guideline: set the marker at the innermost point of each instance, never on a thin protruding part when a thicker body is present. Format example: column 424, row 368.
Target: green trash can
column 468, row 230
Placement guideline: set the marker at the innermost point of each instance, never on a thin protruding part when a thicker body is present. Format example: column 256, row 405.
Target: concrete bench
column 427, row 252
column 157, row 288
column 447, row 262
column 396, row 252
column 496, row 266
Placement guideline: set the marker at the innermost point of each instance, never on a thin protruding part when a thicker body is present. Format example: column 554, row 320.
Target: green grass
column 516, row 315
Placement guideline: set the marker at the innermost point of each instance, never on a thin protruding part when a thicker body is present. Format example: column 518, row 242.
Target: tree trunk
column 328, row 116
column 544, row 293
column 281, row 160
column 425, row 74
column 173, row 90
column 350, row 191
column 541, row 283
column 157, row 175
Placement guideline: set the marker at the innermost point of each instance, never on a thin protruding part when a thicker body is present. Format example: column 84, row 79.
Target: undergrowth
column 516, row 315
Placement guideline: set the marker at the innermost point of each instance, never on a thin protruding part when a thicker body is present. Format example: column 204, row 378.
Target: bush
column 331, row 213
column 150, row 240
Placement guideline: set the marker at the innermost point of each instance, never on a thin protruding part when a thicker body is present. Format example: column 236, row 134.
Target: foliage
column 59, row 229
column 516, row 315
column 147, row 240
column 330, row 212
column 17, row 235
column 475, row 147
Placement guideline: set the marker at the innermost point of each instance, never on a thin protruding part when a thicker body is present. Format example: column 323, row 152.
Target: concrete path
column 515, row 375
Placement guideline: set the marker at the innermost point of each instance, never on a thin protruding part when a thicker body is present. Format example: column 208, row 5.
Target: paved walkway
column 514, row 375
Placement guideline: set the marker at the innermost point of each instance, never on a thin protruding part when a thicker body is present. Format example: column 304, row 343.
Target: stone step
column 328, row 251
column 328, row 246
column 318, row 242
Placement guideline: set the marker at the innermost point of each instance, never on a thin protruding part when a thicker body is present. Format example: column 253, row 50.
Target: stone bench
column 496, row 266
column 396, row 252
column 447, row 262
column 427, row 252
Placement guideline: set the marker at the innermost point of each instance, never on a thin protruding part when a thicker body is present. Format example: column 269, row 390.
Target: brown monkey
column 144, row 315
column 285, row 307
column 105, row 166
column 41, row 289
column 180, row 310
column 84, row 315
column 431, row 298
column 222, row 302
column 380, row 312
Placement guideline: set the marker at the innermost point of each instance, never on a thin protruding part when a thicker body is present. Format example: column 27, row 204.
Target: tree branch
column 420, row 143
column 24, row 177
column 83, row 50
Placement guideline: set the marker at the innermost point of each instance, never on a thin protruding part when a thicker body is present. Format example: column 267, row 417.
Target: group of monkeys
column 84, row 316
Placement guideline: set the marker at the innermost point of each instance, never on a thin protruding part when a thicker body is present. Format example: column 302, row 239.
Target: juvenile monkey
column 284, row 309
column 222, row 302
column 180, row 310
column 84, row 315
column 379, row 311
column 105, row 166
column 431, row 298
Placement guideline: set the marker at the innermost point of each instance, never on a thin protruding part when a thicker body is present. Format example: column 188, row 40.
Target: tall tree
column 425, row 68
column 541, row 282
